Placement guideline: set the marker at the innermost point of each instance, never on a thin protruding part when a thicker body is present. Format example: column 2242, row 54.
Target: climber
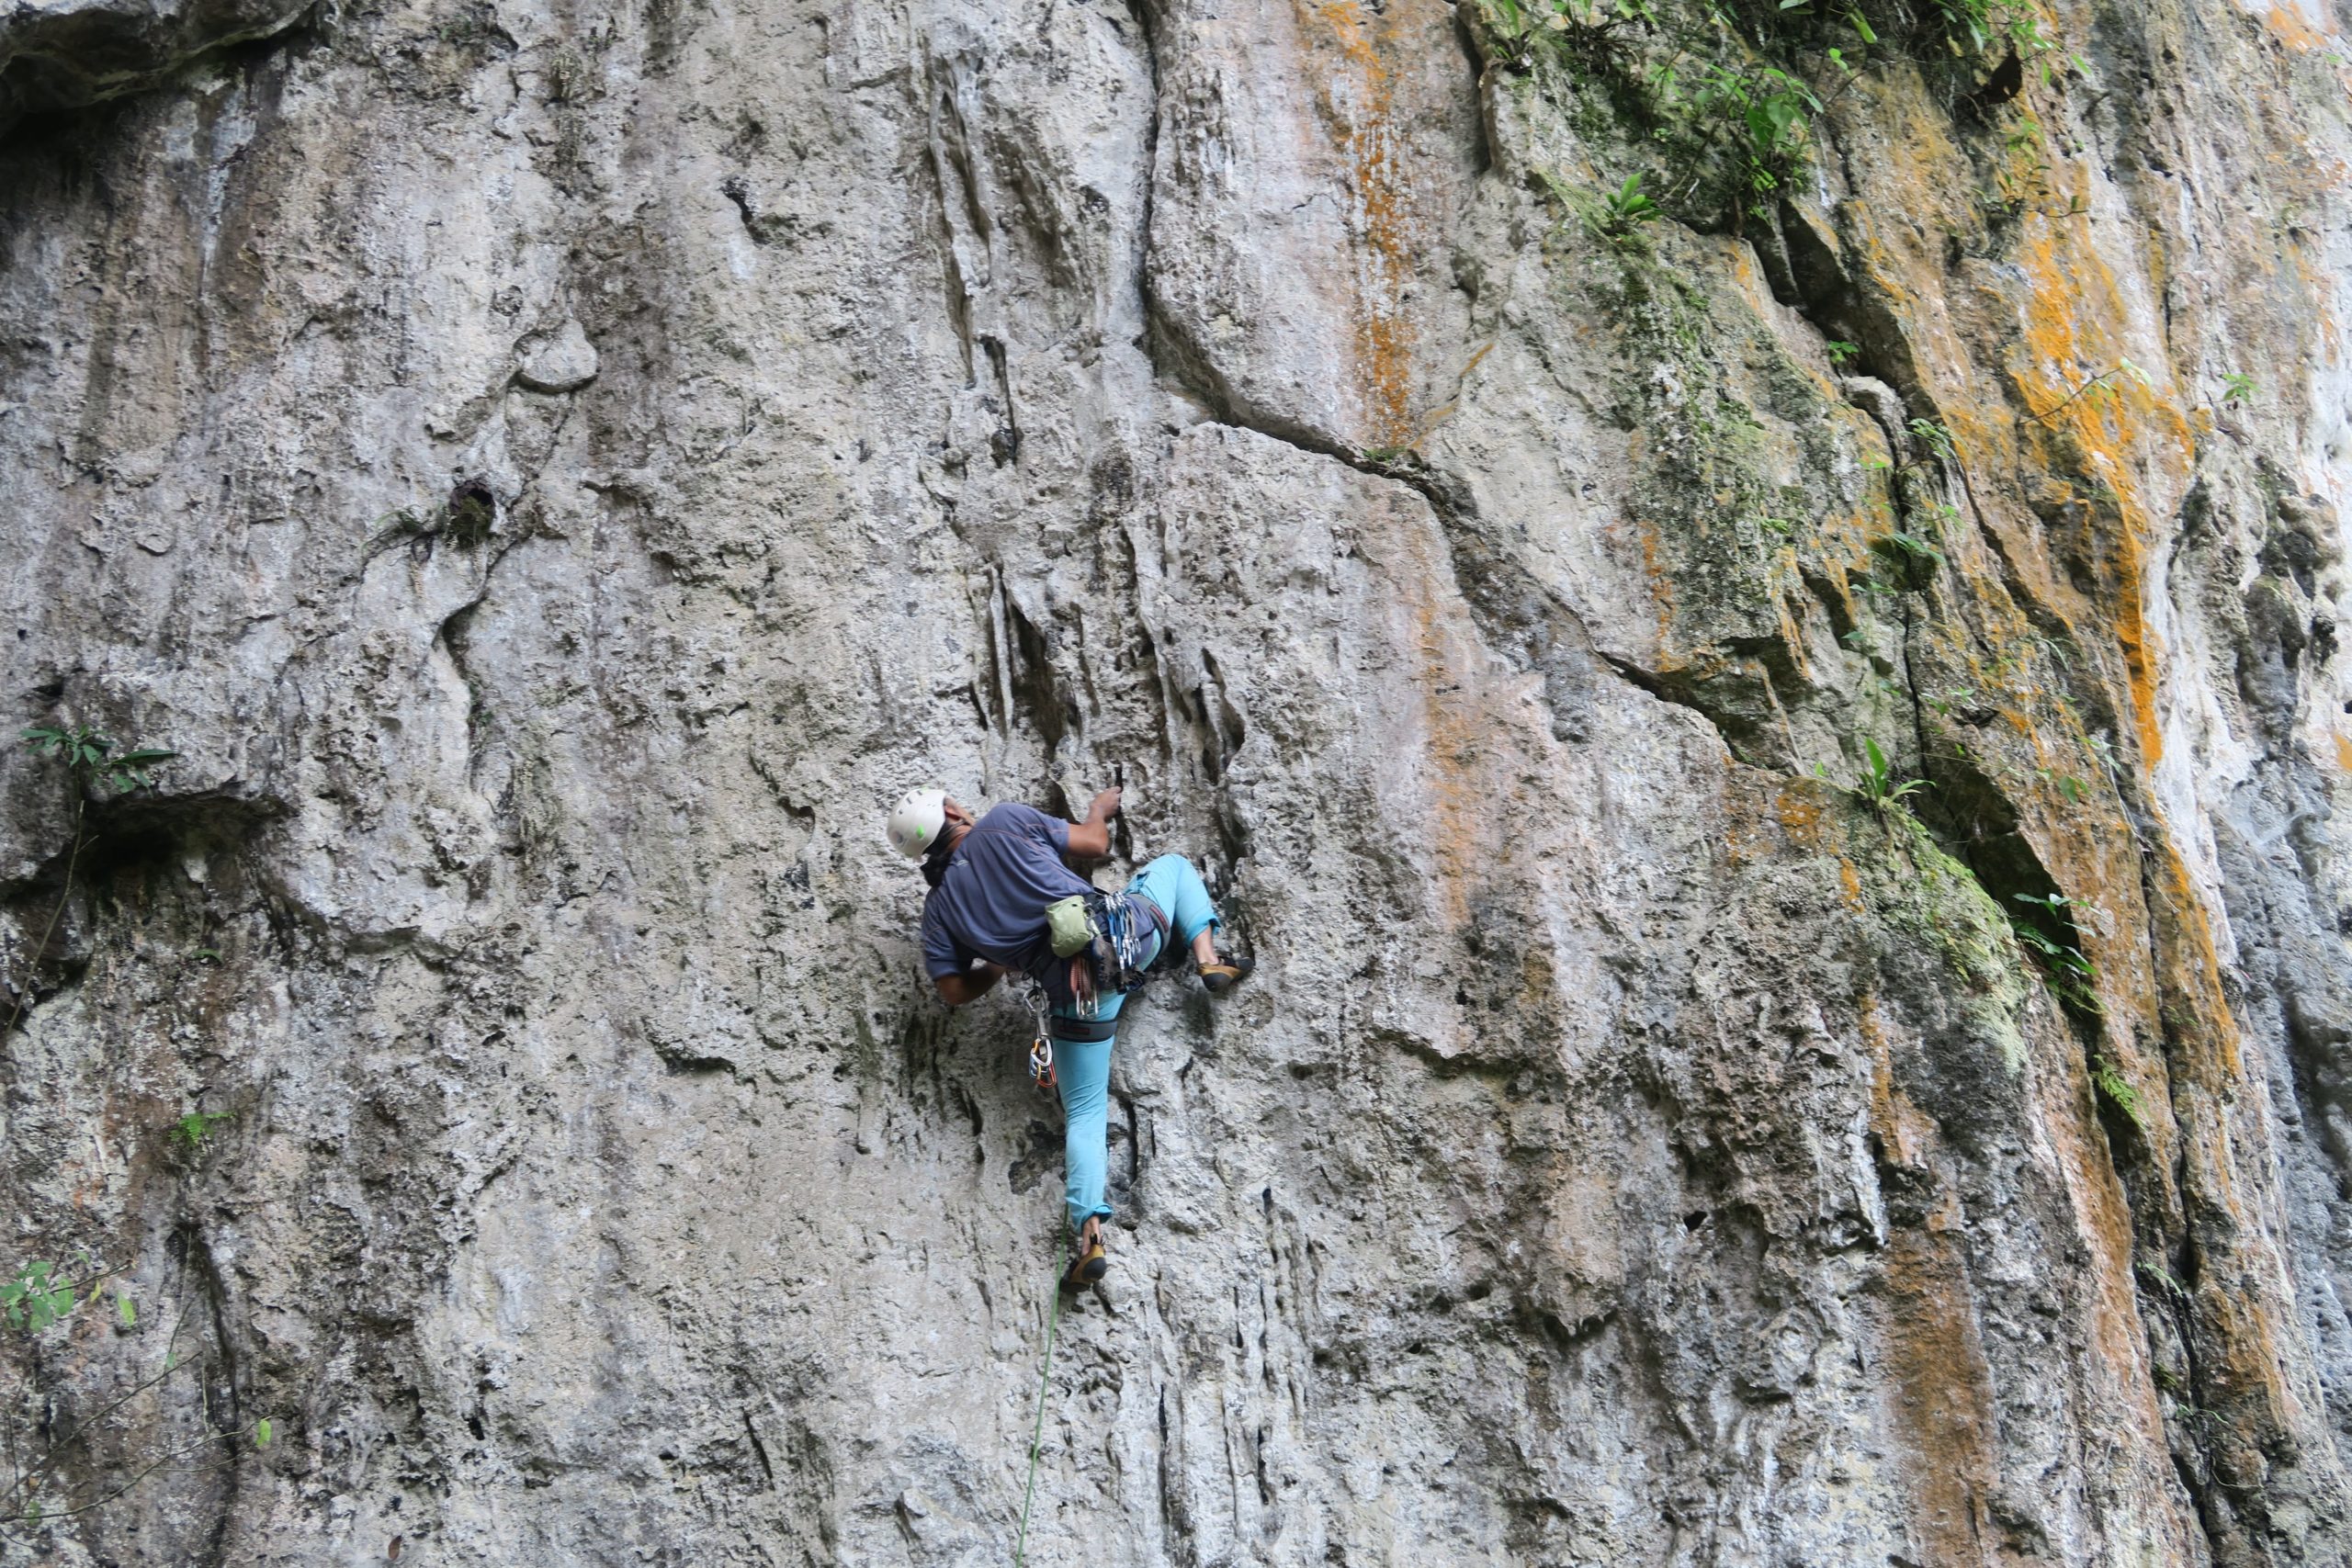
column 1003, row 897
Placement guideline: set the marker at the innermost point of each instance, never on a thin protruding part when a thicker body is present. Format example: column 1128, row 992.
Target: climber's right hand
column 970, row 986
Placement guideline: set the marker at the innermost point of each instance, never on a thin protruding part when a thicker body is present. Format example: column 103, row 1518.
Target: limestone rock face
column 554, row 476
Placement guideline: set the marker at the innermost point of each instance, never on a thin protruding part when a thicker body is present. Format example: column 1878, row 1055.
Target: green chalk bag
column 1067, row 923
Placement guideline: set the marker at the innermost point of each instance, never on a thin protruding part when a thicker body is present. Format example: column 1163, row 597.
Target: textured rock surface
column 554, row 474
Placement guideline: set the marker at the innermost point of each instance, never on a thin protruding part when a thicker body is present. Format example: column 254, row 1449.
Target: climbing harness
column 1037, row 1433
column 1121, row 927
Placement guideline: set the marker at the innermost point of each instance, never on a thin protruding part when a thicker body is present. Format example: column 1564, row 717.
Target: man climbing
column 1003, row 897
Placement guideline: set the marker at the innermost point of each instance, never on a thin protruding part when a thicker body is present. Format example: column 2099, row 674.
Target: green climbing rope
column 1037, row 1435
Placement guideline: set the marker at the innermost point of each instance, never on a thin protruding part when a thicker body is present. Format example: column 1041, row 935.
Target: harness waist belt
column 1082, row 1030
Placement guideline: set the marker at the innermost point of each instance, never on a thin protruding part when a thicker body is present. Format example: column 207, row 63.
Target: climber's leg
column 1173, row 884
column 1084, row 1069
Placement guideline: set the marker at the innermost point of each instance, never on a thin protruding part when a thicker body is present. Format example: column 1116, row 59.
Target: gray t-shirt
column 991, row 902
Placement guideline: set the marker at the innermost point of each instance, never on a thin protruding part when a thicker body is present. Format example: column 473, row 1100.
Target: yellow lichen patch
column 2344, row 752
column 1904, row 1133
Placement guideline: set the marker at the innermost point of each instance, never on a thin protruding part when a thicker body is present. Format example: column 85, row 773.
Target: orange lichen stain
column 2344, row 752
column 1798, row 811
column 1904, row 1135
column 1941, row 1400
column 2295, row 32
column 1463, row 714
column 1852, row 882
column 2103, row 1220
column 2123, row 427
column 1360, row 98
column 1661, row 579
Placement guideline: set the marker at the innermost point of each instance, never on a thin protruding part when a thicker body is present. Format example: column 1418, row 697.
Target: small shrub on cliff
column 44, row 1455
column 93, row 758
column 96, row 768
column 191, row 1131
column 2118, row 1088
column 1626, row 210
column 1728, row 92
column 1877, row 785
column 35, row 1297
column 2064, row 969
column 1615, row 216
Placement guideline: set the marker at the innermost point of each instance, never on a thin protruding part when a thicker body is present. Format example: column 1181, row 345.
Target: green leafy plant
column 1840, row 351
column 2118, row 1088
column 2066, row 784
column 1765, row 113
column 1984, row 22
column 94, row 767
column 35, row 1297
column 43, row 1457
column 191, row 1130
column 2070, row 976
column 1626, row 210
column 1914, row 548
column 2161, row 1278
column 93, row 758
column 1613, row 217
column 1960, row 698
column 1935, row 438
column 2238, row 387
column 1877, row 783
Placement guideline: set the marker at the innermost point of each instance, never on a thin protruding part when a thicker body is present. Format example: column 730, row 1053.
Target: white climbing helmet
column 916, row 820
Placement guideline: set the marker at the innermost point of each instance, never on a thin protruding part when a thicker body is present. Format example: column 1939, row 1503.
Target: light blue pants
column 1084, row 1066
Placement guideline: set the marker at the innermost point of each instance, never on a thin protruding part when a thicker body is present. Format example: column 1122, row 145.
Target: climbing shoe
column 1222, row 977
column 1090, row 1264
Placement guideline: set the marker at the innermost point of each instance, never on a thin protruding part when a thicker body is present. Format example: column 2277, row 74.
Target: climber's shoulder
column 1014, row 816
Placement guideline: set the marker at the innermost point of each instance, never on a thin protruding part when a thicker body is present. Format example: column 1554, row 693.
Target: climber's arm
column 968, row 987
column 1090, row 840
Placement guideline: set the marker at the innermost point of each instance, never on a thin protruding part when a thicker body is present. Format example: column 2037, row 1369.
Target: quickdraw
column 1041, row 1050
column 1041, row 1064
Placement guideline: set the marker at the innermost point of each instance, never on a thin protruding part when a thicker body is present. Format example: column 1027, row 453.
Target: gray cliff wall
column 555, row 474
